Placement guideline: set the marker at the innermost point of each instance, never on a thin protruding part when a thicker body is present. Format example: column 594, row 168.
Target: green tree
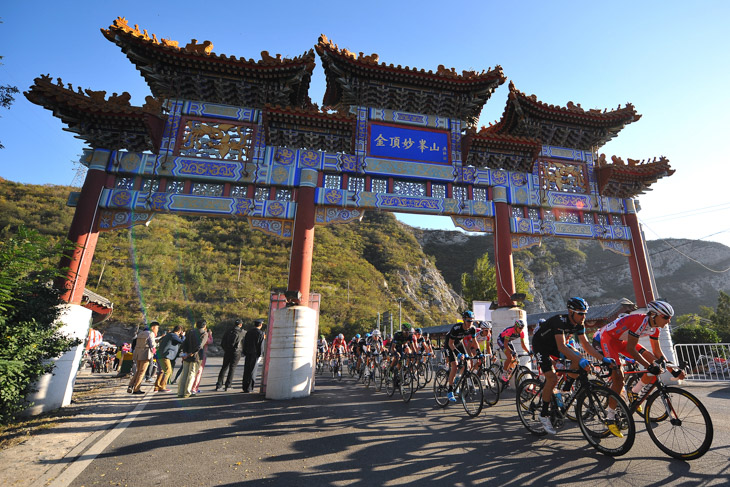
column 7, row 96
column 481, row 284
column 29, row 335
column 691, row 328
column 720, row 317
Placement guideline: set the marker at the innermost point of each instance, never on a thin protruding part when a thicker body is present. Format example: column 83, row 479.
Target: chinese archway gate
column 231, row 137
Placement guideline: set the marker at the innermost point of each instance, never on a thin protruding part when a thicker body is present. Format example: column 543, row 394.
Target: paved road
column 346, row 435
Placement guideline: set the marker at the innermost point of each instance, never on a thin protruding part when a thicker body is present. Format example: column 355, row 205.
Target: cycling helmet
column 367, row 335
column 519, row 324
column 468, row 315
column 412, row 330
column 341, row 336
column 322, row 337
column 406, row 326
column 577, row 304
column 376, row 333
column 661, row 308
column 541, row 321
column 487, row 325
column 419, row 331
column 357, row 335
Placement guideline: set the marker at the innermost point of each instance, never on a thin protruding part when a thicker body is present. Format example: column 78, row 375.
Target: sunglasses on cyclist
column 666, row 317
column 580, row 312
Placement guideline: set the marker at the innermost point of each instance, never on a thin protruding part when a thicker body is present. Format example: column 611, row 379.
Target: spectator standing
column 231, row 345
column 144, row 351
column 192, row 349
column 252, row 351
column 204, row 358
column 166, row 353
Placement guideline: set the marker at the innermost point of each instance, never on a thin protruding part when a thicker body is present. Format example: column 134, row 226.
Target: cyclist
column 361, row 350
column 550, row 339
column 423, row 345
column 622, row 337
column 374, row 347
column 338, row 350
column 322, row 348
column 352, row 345
column 505, row 338
column 400, row 345
column 454, row 346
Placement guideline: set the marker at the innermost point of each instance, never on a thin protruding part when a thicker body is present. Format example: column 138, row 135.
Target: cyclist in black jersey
column 454, row 346
column 551, row 340
column 400, row 344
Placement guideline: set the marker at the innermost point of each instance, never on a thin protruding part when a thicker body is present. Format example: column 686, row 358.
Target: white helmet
column 661, row 308
column 376, row 333
column 486, row 325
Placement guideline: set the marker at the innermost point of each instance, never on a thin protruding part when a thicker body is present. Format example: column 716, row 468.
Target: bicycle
column 519, row 372
column 406, row 378
column 336, row 366
column 468, row 387
column 490, row 381
column 591, row 403
column 320, row 363
column 373, row 370
column 677, row 422
column 351, row 364
column 423, row 370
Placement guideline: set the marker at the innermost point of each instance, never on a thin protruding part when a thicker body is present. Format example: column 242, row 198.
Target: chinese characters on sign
column 407, row 143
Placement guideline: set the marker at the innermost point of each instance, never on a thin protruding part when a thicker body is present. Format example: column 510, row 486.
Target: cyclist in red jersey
column 505, row 344
column 622, row 337
column 338, row 348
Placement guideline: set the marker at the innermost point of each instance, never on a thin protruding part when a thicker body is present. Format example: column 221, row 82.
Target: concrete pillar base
column 292, row 343
column 55, row 390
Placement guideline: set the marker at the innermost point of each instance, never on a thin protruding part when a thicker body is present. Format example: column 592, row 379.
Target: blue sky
column 671, row 59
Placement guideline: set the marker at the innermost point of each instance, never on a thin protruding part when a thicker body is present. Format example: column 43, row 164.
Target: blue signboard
column 409, row 143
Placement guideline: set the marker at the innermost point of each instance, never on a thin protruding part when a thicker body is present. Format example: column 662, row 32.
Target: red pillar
column 638, row 262
column 503, row 249
column 300, row 265
column 84, row 233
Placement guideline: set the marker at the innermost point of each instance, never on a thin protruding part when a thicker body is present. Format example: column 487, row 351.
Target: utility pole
column 400, row 318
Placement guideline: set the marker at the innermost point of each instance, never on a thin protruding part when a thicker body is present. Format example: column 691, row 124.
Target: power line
column 687, row 256
column 689, row 213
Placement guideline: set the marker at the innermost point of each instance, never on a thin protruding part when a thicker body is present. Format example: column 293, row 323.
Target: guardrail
column 707, row 361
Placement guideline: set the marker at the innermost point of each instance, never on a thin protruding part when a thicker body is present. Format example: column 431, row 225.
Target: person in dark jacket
column 231, row 345
column 252, row 351
column 192, row 357
column 166, row 353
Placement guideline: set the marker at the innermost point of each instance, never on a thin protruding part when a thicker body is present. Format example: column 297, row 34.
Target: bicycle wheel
column 390, row 382
column 429, row 371
column 491, row 387
column 529, row 405
column 367, row 376
column 570, row 413
column 687, row 432
column 407, row 383
column 472, row 394
column 591, row 413
column 522, row 374
column 377, row 378
column 421, row 375
column 351, row 367
column 441, row 388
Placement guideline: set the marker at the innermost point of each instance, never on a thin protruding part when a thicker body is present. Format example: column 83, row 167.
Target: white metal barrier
column 707, row 361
